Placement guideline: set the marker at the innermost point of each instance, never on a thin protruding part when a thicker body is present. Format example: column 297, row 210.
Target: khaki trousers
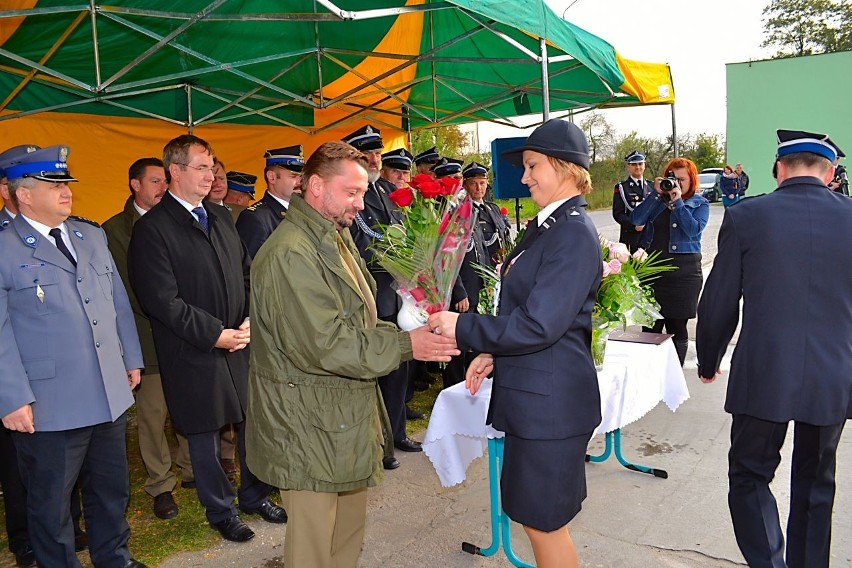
column 151, row 414
column 324, row 530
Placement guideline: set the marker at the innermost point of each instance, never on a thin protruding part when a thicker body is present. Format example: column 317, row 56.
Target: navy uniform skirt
column 543, row 482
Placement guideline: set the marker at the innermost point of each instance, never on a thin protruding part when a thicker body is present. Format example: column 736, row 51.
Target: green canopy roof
column 416, row 64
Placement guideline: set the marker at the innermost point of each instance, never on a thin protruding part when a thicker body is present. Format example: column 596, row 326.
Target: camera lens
column 667, row 184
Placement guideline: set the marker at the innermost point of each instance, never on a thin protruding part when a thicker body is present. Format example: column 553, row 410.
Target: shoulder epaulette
column 84, row 220
column 255, row 206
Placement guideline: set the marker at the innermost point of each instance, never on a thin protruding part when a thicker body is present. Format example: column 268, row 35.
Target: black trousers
column 754, row 456
column 14, row 494
column 50, row 465
column 214, row 489
column 677, row 327
column 394, row 388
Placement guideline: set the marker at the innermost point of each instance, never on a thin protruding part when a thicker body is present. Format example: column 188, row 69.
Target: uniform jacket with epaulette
column 257, row 222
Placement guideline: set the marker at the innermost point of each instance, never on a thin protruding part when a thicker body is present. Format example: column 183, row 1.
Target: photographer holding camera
column 840, row 182
column 674, row 218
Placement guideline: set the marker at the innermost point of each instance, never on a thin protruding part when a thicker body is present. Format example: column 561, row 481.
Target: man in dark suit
column 190, row 272
column 380, row 210
column 627, row 195
column 70, row 358
column 792, row 360
column 147, row 182
column 283, row 172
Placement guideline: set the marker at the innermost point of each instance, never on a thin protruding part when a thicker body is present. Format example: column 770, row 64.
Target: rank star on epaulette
column 84, row 220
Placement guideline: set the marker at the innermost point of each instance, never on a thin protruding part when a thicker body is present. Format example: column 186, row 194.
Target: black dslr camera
column 667, row 184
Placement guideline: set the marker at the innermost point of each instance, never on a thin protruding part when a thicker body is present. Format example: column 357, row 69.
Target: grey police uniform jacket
column 66, row 350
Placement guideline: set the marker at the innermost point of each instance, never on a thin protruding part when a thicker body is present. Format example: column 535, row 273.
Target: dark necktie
column 202, row 218
column 60, row 244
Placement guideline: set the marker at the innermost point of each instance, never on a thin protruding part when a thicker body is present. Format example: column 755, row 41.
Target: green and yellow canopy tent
column 115, row 81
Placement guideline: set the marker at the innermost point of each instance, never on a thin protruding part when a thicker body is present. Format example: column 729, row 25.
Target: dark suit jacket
column 378, row 210
column 787, row 255
column 545, row 384
column 192, row 286
column 257, row 222
column 118, row 229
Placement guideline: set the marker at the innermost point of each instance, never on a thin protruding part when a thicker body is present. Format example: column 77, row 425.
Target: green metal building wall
column 812, row 93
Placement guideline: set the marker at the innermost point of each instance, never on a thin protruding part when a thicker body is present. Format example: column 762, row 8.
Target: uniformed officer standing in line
column 283, row 173
column 490, row 233
column 380, row 210
column 448, row 167
column 147, row 182
column 396, row 167
column 70, row 357
column 425, row 160
column 628, row 194
column 239, row 195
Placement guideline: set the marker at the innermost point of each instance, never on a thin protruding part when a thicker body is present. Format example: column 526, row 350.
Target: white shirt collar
column 545, row 213
column 186, row 204
column 9, row 213
column 637, row 180
column 44, row 229
column 138, row 209
column 283, row 202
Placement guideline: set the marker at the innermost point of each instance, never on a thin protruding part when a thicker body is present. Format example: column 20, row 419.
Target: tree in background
column 807, row 27
column 706, row 150
column 600, row 133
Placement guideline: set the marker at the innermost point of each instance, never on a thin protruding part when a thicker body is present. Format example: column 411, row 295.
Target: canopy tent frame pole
column 675, row 146
column 188, row 88
column 251, row 111
column 95, row 47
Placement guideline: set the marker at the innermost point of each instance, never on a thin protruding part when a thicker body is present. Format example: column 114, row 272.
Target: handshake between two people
column 430, row 344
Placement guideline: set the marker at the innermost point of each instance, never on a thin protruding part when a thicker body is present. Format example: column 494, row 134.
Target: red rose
column 419, row 294
column 504, row 211
column 402, row 197
column 420, row 179
column 429, row 190
column 449, row 185
column 464, row 209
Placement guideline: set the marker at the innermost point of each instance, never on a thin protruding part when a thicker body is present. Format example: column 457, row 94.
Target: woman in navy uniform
column 545, row 395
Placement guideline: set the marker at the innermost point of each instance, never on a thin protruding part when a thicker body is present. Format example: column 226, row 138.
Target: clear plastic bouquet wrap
column 424, row 254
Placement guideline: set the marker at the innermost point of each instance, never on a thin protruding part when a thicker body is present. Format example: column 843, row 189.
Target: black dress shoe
column 269, row 511
column 234, row 529
column 411, row 414
column 165, row 506
column 188, row 484
column 81, row 540
column 134, row 564
column 408, row 445
column 390, row 462
column 25, row 557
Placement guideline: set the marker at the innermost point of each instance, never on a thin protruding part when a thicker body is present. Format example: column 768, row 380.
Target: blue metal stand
column 614, row 439
column 500, row 522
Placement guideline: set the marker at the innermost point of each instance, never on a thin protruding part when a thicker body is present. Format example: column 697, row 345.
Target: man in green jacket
column 313, row 426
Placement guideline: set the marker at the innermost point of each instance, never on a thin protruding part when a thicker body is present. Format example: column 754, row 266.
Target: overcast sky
column 696, row 38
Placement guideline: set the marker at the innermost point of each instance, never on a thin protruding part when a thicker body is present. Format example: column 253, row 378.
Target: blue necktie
column 202, row 217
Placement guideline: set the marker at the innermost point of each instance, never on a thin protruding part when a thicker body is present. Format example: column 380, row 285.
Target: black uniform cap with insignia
column 244, row 183
column 474, row 169
column 8, row 157
column 46, row 164
column 556, row 138
column 400, row 159
column 429, row 156
column 447, row 167
column 634, row 157
column 365, row 139
column 290, row 157
column 795, row 141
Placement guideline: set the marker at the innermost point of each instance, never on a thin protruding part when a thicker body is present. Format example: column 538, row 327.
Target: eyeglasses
column 200, row 169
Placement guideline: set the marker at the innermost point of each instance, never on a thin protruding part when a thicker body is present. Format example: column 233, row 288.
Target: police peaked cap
column 635, row 157
column 400, row 159
column 239, row 181
column 290, row 157
column 46, row 164
column 9, row 156
column 447, row 166
column 365, row 139
column 474, row 169
column 794, row 141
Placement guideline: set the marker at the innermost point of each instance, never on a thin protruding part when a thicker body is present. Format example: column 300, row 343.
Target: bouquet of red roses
column 424, row 254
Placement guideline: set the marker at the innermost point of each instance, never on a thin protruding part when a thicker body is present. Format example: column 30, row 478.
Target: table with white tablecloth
column 634, row 379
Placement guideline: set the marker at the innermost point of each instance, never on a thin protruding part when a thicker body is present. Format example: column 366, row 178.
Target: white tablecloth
column 635, row 378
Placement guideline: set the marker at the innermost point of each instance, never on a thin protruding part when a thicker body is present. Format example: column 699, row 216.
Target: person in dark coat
column 793, row 358
column 545, row 395
column 283, row 173
column 627, row 195
column 380, row 210
column 190, row 272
